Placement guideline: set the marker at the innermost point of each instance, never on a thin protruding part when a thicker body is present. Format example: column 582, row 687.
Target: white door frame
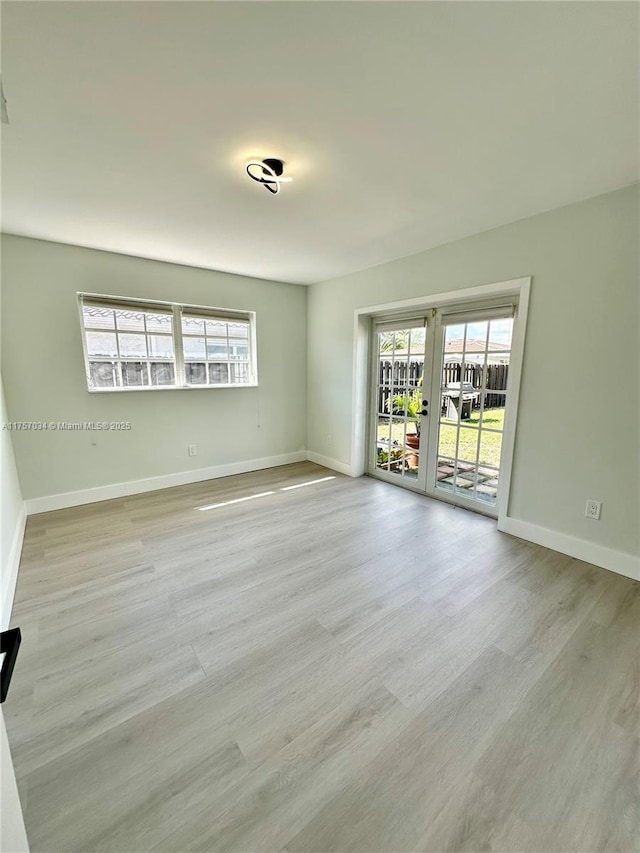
column 363, row 318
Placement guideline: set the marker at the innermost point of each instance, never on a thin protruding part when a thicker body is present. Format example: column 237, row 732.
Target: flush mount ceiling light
column 268, row 172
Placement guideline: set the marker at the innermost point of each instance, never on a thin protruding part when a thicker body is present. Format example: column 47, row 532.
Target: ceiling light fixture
column 268, row 172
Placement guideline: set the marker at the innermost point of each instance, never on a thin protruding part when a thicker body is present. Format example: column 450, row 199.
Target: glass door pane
column 399, row 370
column 475, row 369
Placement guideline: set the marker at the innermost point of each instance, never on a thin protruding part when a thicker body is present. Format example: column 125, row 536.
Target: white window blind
column 451, row 317
column 398, row 324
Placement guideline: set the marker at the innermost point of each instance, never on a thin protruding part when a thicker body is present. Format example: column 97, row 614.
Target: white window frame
column 177, row 309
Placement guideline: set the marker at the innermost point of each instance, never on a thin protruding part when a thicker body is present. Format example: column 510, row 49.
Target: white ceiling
column 404, row 125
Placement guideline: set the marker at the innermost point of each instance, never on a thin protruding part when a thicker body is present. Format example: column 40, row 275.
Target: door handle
column 424, row 412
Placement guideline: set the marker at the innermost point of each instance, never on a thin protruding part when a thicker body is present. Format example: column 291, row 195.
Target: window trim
column 176, row 309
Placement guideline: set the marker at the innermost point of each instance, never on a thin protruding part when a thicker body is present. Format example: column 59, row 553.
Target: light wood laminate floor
column 344, row 666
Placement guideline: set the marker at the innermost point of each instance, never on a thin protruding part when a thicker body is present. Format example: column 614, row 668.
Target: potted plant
column 410, row 404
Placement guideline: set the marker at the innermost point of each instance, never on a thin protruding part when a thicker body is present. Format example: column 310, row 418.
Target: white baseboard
column 599, row 555
column 13, row 563
column 152, row 484
column 327, row 462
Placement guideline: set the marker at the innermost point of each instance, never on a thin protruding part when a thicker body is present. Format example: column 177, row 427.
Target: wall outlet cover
column 593, row 509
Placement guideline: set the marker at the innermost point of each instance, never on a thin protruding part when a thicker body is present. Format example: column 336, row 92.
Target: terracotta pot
column 413, row 441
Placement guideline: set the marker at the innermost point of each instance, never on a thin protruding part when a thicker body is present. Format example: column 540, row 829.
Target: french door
column 438, row 402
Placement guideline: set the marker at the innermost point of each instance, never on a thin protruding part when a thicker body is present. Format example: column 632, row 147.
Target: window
column 216, row 350
column 133, row 344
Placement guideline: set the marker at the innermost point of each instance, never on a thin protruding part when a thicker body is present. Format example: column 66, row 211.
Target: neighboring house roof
column 473, row 345
column 455, row 346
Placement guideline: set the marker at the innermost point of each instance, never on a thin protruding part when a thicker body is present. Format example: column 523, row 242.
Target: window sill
column 169, row 388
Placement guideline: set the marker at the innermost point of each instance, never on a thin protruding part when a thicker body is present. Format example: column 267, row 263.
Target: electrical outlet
column 192, row 449
column 593, row 509
column 329, row 441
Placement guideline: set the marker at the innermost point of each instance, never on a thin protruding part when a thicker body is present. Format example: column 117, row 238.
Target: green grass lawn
column 490, row 444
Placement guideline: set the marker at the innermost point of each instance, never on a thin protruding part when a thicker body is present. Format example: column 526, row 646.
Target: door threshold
column 487, row 512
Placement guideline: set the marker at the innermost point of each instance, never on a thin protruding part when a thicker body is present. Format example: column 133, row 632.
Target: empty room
column 320, row 426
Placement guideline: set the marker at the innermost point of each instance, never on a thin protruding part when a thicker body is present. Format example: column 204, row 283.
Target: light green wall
column 44, row 374
column 578, row 417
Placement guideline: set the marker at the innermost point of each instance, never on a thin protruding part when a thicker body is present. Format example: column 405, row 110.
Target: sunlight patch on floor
column 263, row 494
column 236, row 501
column 309, row 483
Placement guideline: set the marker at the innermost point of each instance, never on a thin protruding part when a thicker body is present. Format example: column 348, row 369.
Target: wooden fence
column 396, row 378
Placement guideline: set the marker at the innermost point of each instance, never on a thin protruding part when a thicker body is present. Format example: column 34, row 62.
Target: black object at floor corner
column 9, row 644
